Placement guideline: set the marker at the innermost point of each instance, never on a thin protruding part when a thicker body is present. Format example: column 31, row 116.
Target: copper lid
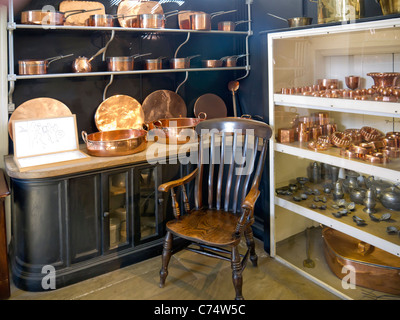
column 38, row 108
column 119, row 112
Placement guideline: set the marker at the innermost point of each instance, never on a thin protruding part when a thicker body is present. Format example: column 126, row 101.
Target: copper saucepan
column 115, row 142
column 202, row 21
column 123, row 63
column 184, row 20
column 34, row 66
column 230, row 25
column 155, row 20
column 154, row 64
column 231, row 61
column 295, row 22
column 41, row 17
column 107, row 20
column 177, row 130
column 181, row 63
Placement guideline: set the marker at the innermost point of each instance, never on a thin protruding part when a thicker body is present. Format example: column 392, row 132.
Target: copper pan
column 177, row 130
column 119, row 112
column 41, row 17
column 116, row 142
column 154, row 64
column 231, row 61
column 181, row 63
column 128, row 8
column 34, row 66
column 212, row 63
column 184, row 20
column 123, row 63
column 90, row 7
column 202, row 21
column 230, row 25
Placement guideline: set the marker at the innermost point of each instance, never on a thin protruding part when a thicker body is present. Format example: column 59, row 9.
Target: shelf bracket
column 106, row 88
column 187, row 39
column 187, row 76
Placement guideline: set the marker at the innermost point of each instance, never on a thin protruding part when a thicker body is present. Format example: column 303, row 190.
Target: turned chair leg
column 237, row 273
column 248, row 233
column 166, row 255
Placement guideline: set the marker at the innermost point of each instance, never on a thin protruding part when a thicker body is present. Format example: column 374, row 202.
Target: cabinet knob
column 106, row 214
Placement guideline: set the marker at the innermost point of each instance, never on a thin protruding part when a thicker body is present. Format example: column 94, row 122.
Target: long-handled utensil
column 308, row 263
column 233, row 86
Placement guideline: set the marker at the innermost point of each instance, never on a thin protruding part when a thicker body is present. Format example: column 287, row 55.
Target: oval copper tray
column 119, row 112
column 38, row 108
column 163, row 104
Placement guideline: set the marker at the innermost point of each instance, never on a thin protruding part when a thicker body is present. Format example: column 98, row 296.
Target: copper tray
column 127, row 9
column 38, row 108
column 119, row 112
column 80, row 19
column 375, row 269
column 212, row 105
column 163, row 104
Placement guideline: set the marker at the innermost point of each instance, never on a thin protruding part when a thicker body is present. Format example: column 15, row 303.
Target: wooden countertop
column 155, row 152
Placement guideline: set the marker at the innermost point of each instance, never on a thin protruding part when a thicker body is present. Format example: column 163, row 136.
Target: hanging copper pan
column 163, row 104
column 119, row 112
column 38, row 108
column 210, row 104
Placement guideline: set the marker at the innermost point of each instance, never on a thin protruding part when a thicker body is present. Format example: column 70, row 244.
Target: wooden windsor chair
column 231, row 190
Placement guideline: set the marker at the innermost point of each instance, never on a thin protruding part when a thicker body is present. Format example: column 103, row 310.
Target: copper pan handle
column 221, row 13
column 84, row 136
column 50, row 60
column 202, row 115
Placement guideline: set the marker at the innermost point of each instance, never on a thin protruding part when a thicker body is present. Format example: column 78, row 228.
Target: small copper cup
column 352, row 82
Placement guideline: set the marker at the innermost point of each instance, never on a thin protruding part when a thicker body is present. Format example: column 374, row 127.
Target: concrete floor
column 191, row 277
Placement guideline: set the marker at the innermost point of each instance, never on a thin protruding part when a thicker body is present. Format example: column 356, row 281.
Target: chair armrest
column 251, row 198
column 165, row 187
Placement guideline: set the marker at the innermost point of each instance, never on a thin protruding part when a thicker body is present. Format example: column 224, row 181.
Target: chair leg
column 166, row 255
column 237, row 273
column 248, row 233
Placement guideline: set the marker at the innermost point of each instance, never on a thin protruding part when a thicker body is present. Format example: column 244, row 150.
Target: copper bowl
column 115, row 142
column 328, row 83
column 384, row 79
column 177, row 130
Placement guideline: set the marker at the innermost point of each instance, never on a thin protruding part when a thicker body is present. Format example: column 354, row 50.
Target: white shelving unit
column 299, row 58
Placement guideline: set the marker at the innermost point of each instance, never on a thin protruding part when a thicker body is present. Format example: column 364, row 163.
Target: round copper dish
column 116, row 142
column 119, row 112
column 38, row 108
column 163, row 104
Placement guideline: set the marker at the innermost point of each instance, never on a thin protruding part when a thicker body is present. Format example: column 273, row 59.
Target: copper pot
column 33, row 66
column 155, row 20
column 231, row 61
column 177, row 130
column 212, row 63
column 100, row 20
column 123, row 63
column 202, row 21
column 154, row 64
column 116, row 142
column 184, row 20
column 41, row 17
column 229, row 25
column 181, row 63
column 328, row 83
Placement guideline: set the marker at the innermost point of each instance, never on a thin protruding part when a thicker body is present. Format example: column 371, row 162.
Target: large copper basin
column 116, row 142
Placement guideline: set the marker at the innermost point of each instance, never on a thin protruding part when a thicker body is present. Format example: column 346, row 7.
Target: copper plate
column 212, row 105
column 80, row 19
column 119, row 112
column 39, row 108
column 163, row 104
column 130, row 8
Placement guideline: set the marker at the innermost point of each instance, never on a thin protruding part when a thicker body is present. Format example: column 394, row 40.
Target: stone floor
column 191, row 277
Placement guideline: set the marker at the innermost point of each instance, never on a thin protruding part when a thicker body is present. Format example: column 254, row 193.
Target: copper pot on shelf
column 384, row 79
column 42, row 17
column 230, row 25
column 154, row 64
column 123, row 63
column 35, row 66
column 202, row 21
column 181, row 63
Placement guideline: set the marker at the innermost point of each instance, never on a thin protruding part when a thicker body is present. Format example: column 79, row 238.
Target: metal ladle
column 233, row 86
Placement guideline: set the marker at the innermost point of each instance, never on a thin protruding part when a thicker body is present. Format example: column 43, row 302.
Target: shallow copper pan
column 375, row 268
column 38, row 108
column 119, row 112
column 177, row 130
column 116, row 142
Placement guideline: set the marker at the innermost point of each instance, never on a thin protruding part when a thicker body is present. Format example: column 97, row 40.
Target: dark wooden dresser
column 4, row 276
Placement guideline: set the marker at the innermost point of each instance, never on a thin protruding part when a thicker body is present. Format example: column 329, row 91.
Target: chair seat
column 212, row 227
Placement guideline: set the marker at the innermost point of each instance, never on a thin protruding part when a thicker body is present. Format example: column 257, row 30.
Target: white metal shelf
column 345, row 225
column 137, row 30
column 379, row 108
column 116, row 73
column 389, row 171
